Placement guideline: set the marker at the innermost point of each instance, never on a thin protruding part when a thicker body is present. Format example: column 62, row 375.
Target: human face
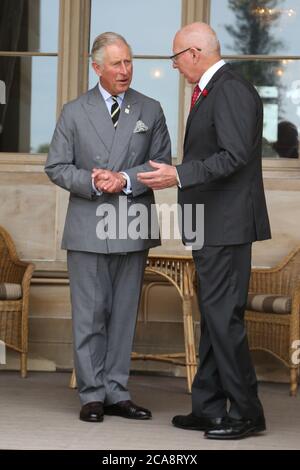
column 115, row 72
column 184, row 59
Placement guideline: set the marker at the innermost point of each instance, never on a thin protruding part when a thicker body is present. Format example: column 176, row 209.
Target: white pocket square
column 140, row 127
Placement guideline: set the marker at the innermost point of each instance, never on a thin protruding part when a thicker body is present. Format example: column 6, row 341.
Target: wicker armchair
column 276, row 332
column 14, row 313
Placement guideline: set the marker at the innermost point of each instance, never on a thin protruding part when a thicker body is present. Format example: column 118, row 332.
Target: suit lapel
column 99, row 117
column 209, row 88
column 130, row 112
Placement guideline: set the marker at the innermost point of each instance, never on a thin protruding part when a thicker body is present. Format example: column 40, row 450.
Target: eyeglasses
column 174, row 57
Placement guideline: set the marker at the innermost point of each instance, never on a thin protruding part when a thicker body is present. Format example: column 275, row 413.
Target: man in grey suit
column 222, row 170
column 101, row 141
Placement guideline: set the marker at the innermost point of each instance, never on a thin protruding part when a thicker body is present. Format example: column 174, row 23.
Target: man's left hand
column 108, row 181
column 164, row 176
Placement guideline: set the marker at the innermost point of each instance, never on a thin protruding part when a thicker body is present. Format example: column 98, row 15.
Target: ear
column 195, row 53
column 97, row 68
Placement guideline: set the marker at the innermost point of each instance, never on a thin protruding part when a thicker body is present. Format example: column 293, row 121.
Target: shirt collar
column 206, row 77
column 106, row 95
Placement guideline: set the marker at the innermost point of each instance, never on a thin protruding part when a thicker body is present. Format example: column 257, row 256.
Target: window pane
column 257, row 26
column 148, row 27
column 279, row 87
column 29, row 25
column 157, row 79
column 27, row 119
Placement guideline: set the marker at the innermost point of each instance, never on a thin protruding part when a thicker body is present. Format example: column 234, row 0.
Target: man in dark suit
column 222, row 170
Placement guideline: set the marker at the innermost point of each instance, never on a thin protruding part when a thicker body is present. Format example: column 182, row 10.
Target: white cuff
column 178, row 180
column 127, row 189
column 97, row 192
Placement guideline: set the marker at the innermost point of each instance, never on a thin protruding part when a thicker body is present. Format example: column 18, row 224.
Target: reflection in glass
column 157, row 79
column 27, row 120
column 29, row 25
column 257, row 26
column 279, row 87
column 287, row 144
column 149, row 27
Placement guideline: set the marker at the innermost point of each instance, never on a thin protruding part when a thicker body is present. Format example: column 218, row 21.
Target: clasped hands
column 108, row 181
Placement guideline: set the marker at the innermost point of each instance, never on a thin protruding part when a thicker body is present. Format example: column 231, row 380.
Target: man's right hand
column 108, row 181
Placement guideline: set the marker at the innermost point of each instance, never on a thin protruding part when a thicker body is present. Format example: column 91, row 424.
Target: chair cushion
column 269, row 303
column 10, row 291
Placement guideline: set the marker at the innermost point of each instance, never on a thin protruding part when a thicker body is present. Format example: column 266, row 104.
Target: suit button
column 98, row 157
column 133, row 154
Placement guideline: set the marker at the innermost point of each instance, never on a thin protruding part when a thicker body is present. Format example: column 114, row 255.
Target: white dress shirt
column 207, row 76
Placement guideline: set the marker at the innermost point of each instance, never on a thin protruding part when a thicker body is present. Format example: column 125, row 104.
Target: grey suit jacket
column 221, row 166
column 84, row 139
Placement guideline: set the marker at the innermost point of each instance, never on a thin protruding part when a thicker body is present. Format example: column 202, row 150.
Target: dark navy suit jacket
column 222, row 166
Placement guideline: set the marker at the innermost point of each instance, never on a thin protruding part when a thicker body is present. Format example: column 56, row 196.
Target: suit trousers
column 226, row 374
column 105, row 292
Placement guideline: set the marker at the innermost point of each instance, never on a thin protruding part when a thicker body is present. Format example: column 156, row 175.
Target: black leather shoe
column 237, row 429
column 92, row 412
column 195, row 423
column 127, row 409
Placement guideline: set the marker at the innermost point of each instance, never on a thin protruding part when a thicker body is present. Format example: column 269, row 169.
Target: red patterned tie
column 195, row 95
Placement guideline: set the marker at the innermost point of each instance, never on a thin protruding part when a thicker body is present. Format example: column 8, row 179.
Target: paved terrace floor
column 41, row 412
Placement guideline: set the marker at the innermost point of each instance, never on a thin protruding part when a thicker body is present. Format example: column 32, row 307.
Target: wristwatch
column 124, row 180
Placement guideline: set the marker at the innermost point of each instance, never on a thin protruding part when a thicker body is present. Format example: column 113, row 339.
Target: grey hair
column 103, row 40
